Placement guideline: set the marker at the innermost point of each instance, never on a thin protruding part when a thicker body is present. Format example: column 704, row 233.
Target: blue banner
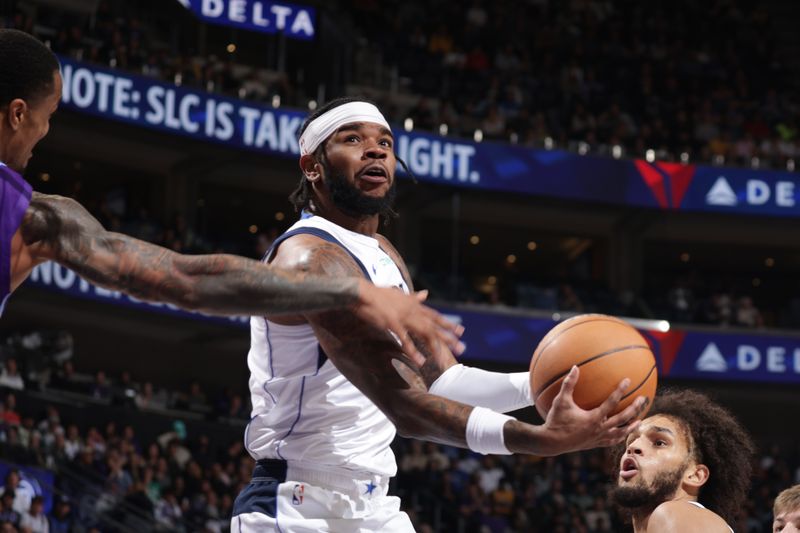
column 512, row 337
column 257, row 15
column 495, row 166
column 32, row 481
column 681, row 353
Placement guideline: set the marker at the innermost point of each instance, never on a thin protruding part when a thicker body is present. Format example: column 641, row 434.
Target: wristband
column 485, row 431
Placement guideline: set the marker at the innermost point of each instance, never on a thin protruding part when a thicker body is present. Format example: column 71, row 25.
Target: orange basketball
column 606, row 349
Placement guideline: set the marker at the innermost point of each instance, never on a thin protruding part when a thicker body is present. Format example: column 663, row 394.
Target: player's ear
column 310, row 167
column 16, row 113
column 696, row 475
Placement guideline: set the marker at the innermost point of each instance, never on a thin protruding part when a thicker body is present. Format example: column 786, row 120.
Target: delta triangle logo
column 711, row 360
column 721, row 193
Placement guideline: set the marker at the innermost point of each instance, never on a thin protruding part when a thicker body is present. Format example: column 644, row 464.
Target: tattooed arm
column 59, row 229
column 372, row 361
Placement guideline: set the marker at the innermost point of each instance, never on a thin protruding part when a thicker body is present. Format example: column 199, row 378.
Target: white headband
column 326, row 124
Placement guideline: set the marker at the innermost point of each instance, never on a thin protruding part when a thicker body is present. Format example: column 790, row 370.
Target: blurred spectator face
column 62, row 510
column 37, row 505
column 656, row 459
column 12, row 479
column 8, row 500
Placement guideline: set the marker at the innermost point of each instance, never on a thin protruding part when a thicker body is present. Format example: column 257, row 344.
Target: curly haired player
column 686, row 468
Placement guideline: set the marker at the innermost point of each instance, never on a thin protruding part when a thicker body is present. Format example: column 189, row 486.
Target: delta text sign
column 145, row 102
column 257, row 15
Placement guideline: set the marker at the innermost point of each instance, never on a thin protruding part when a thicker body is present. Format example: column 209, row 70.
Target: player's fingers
column 568, row 386
column 421, row 295
column 450, row 339
column 410, row 348
column 447, row 331
column 628, row 414
column 610, row 404
column 452, row 327
column 441, row 321
column 618, row 434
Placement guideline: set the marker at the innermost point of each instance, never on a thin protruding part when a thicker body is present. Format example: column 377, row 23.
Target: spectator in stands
column 22, row 494
column 7, row 512
column 10, row 376
column 490, row 474
column 148, row 399
column 168, row 512
column 61, row 521
column 747, row 314
column 101, row 389
column 10, row 414
column 74, row 442
column 35, row 521
column 65, row 378
column 119, row 481
column 681, row 299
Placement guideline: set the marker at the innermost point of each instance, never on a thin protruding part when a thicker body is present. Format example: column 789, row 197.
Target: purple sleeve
column 15, row 196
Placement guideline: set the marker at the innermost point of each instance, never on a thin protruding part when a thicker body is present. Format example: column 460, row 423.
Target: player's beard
column 351, row 201
column 659, row 490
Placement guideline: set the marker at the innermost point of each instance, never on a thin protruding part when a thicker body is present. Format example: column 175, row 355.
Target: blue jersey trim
column 297, row 418
column 320, row 233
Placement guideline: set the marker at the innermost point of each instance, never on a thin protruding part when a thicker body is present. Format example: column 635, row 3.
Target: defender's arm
column 60, row 229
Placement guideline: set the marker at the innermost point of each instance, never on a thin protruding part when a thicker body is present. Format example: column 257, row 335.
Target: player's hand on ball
column 570, row 428
column 409, row 319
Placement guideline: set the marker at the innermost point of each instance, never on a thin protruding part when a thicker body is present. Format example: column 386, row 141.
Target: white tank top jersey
column 304, row 410
column 701, row 506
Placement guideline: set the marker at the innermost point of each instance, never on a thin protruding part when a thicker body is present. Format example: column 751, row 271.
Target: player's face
column 787, row 522
column 655, row 460
column 360, row 168
column 32, row 126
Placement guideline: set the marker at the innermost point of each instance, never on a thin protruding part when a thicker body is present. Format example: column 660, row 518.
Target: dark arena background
column 571, row 156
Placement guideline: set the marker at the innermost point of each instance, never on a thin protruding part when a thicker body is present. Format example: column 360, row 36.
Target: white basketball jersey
column 304, row 410
column 701, row 506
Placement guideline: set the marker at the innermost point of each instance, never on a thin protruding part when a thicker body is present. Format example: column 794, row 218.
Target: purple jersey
column 15, row 195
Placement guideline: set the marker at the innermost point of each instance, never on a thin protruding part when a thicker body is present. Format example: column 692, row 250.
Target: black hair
column 26, row 67
column 302, row 195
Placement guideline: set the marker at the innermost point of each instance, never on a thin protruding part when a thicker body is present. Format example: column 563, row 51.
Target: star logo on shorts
column 371, row 487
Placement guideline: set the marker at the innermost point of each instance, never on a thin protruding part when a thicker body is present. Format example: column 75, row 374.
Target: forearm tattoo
column 61, row 230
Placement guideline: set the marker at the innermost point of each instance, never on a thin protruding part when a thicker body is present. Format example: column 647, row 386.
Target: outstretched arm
column 372, row 361
column 60, row 229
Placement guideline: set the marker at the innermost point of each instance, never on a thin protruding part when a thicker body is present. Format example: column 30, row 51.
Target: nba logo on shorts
column 297, row 494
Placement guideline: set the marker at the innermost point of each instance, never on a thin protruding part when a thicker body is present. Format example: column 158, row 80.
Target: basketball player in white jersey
column 327, row 391
column 35, row 228
column 786, row 511
column 685, row 469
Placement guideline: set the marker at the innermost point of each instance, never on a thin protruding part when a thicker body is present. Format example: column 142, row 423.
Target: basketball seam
column 589, row 360
column 640, row 385
column 551, row 341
